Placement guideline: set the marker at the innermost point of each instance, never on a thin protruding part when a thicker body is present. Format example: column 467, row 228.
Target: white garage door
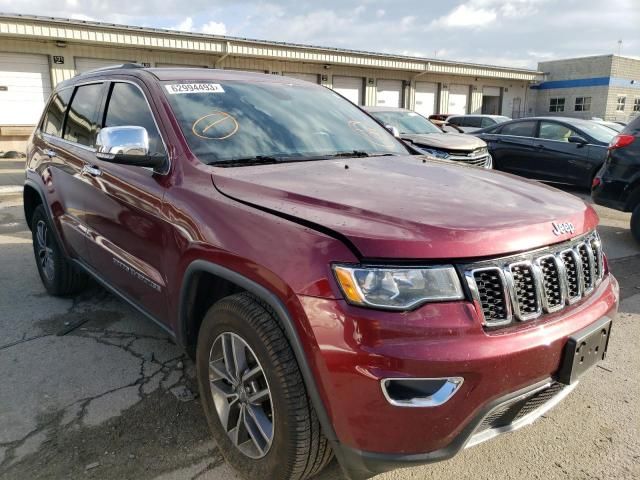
column 458, row 98
column 426, row 94
column 350, row 87
column 389, row 93
column 86, row 64
column 25, row 85
column 307, row 77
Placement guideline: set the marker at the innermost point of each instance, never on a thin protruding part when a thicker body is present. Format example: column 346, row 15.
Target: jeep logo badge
column 562, row 228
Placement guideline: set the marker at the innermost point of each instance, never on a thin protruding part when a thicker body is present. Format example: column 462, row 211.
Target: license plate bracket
column 584, row 349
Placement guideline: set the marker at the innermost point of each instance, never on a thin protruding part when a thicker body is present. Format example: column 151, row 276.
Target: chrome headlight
column 434, row 153
column 398, row 288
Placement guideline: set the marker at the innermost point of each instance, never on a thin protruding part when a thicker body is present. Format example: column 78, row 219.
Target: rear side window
column 458, row 121
column 475, row 122
column 555, row 131
column 487, row 122
column 128, row 107
column 82, row 120
column 54, row 117
column 519, row 129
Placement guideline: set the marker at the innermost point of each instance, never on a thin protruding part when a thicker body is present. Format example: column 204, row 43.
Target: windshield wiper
column 360, row 153
column 257, row 160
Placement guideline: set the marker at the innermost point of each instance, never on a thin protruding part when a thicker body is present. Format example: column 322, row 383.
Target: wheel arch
column 31, row 198
column 234, row 282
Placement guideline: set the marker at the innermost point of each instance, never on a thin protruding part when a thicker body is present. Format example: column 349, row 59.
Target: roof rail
column 122, row 66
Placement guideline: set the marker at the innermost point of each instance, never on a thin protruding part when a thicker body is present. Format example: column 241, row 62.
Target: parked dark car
column 338, row 294
column 554, row 149
column 617, row 185
column 427, row 138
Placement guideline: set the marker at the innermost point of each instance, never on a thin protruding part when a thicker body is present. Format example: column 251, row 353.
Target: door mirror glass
column 127, row 145
column 577, row 139
column 394, row 131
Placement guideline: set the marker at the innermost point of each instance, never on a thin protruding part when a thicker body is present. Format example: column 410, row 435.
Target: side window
column 82, row 119
column 554, row 131
column 459, row 121
column 475, row 122
column 519, row 129
column 487, row 122
column 128, row 107
column 54, row 118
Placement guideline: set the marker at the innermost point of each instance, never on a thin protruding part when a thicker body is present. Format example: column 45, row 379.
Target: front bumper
column 357, row 348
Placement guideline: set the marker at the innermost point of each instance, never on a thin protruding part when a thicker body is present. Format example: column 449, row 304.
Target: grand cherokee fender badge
column 562, row 228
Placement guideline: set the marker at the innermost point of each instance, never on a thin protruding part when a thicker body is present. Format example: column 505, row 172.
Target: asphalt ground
column 91, row 389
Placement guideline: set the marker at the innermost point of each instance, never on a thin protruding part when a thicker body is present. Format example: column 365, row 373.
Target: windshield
column 248, row 122
column 599, row 132
column 406, row 122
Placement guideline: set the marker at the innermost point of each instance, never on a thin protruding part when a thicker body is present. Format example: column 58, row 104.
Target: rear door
column 67, row 138
column 511, row 147
column 128, row 233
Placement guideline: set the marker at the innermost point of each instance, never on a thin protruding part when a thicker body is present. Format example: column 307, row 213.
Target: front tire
column 57, row 273
column 635, row 223
column 253, row 393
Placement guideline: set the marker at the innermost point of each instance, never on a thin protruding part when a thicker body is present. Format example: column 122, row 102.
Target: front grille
column 527, row 286
column 478, row 157
column 525, row 289
column 552, row 287
column 512, row 412
column 490, row 285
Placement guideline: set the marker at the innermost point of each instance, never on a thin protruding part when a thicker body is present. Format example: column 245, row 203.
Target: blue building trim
column 588, row 82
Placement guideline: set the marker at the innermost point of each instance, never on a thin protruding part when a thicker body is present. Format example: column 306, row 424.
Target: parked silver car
column 427, row 138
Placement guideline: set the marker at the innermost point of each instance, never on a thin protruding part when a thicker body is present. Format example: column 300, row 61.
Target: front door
column 128, row 230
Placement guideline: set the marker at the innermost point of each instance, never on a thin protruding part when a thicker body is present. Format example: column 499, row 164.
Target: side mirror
column 126, row 146
column 394, row 131
column 577, row 139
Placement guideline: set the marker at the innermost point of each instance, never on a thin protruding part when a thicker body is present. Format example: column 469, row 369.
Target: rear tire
column 59, row 276
column 635, row 223
column 256, row 343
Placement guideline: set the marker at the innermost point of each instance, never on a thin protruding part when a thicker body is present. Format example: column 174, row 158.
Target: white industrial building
column 38, row 52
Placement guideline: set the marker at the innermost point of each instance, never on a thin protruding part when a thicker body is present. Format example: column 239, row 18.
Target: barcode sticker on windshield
column 194, row 88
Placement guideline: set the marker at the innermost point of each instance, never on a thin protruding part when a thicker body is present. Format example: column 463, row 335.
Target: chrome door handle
column 91, row 170
column 49, row 153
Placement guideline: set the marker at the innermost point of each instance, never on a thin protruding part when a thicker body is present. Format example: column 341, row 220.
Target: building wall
column 611, row 75
column 71, row 40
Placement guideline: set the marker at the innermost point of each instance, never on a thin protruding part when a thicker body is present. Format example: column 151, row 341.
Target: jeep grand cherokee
column 338, row 295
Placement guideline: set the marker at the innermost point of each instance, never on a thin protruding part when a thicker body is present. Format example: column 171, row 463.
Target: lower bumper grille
column 518, row 412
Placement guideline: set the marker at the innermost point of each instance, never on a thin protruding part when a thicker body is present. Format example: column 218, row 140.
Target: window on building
column 636, row 104
column 622, row 100
column 583, row 104
column 556, row 104
column 82, row 120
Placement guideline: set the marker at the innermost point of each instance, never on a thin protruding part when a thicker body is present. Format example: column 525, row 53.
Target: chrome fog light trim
column 429, row 392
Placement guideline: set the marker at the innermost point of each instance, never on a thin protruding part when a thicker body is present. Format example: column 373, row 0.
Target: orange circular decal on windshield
column 374, row 135
column 215, row 126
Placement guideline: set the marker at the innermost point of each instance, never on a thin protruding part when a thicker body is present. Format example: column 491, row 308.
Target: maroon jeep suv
column 340, row 296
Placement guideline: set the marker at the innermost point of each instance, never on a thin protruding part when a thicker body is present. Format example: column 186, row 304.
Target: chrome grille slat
column 533, row 284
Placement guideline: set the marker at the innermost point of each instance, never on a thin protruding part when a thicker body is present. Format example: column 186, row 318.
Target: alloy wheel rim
column 44, row 250
column 241, row 395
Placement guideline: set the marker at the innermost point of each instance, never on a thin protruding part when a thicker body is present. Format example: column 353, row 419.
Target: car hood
column 411, row 207
column 447, row 141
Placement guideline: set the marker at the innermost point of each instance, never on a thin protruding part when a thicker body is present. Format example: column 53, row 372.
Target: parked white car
column 471, row 123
